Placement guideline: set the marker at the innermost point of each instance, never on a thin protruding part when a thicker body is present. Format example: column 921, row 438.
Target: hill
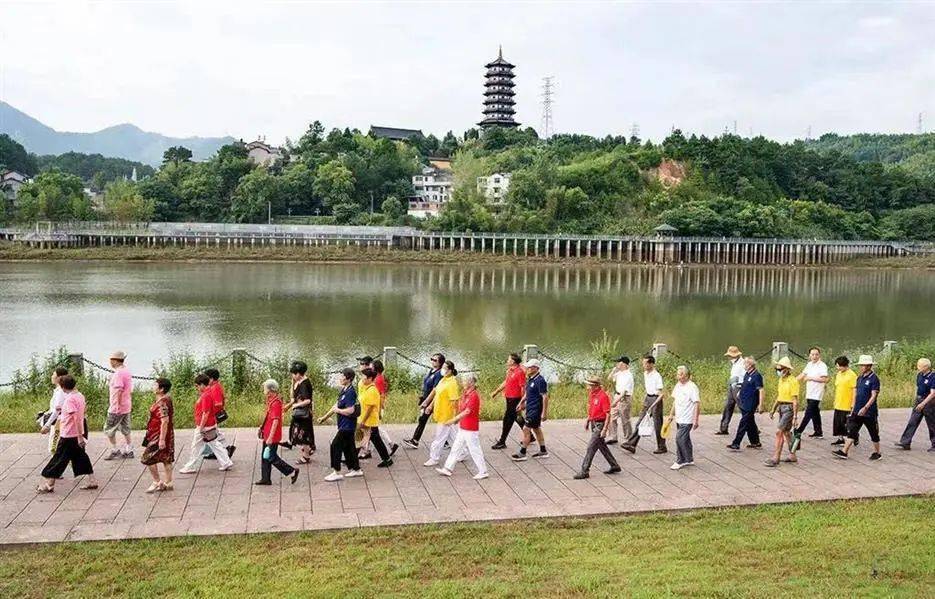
column 913, row 152
column 120, row 141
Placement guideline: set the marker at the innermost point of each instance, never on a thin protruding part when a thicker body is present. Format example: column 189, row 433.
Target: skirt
column 302, row 432
column 153, row 455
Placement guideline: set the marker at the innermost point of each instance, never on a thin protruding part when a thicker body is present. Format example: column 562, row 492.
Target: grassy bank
column 567, row 395
column 841, row 549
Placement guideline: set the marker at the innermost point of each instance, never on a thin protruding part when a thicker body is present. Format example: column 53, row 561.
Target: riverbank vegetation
column 245, row 405
column 843, row 548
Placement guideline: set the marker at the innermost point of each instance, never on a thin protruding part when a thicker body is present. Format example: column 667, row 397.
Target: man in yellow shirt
column 787, row 404
column 369, row 421
column 844, row 383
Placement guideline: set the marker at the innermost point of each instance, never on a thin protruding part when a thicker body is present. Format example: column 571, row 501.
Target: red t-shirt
column 470, row 400
column 598, row 405
column 218, row 393
column 205, row 405
column 380, row 384
column 514, row 383
column 273, row 412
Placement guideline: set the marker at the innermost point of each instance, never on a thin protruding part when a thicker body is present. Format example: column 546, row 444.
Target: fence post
column 780, row 350
column 389, row 356
column 76, row 364
column 530, row 352
column 239, row 368
column 888, row 347
column 659, row 350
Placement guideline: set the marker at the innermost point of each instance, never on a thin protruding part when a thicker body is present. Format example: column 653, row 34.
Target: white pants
column 442, row 433
column 198, row 446
column 467, row 442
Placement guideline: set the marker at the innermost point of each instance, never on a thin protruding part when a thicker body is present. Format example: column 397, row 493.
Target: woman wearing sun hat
column 787, row 404
column 865, row 411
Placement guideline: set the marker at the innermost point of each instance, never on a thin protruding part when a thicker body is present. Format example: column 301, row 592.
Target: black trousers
column 423, row 420
column 813, row 414
column 747, row 427
column 378, row 443
column 343, row 445
column 511, row 417
column 649, row 412
column 68, row 451
column 730, row 402
column 266, row 465
column 915, row 419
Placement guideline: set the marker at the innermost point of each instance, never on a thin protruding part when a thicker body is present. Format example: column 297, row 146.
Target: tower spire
column 498, row 94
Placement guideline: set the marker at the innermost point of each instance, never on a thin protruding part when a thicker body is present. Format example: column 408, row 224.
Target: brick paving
column 212, row 502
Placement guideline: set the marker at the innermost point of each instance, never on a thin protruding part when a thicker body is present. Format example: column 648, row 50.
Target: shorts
column 117, row 423
column 873, row 427
column 533, row 419
column 785, row 417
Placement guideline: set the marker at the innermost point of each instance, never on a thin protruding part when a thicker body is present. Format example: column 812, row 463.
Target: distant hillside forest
column 861, row 186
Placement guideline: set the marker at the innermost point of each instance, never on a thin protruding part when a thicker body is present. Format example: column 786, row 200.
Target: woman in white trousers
column 467, row 438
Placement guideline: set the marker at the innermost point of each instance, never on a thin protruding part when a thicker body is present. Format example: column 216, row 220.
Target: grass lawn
column 878, row 548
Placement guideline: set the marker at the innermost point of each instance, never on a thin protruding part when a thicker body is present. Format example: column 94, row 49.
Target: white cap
column 533, row 363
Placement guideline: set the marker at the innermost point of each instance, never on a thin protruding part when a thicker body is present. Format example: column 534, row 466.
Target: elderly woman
column 467, row 439
column 49, row 421
column 787, row 404
column 301, row 428
column 270, row 434
column 160, row 438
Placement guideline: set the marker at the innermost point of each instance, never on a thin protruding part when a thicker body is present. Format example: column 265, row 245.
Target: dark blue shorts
column 533, row 419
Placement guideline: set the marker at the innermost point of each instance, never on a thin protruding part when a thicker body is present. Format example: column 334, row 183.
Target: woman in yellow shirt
column 845, row 381
column 787, row 404
column 369, row 421
column 443, row 403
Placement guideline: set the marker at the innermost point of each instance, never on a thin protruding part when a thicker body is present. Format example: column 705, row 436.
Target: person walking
column 652, row 407
column 923, row 408
column 206, row 430
column 865, row 412
column 512, row 390
column 71, row 444
column 270, row 434
column 686, row 410
column 734, row 380
column 623, row 400
column 369, row 420
column 428, row 385
column 598, row 422
column 845, row 380
column 815, row 376
column 383, row 389
column 467, row 439
column 442, row 403
column 49, row 421
column 787, row 404
column 301, row 425
column 750, row 401
column 347, row 410
column 535, row 402
column 159, row 441
column 119, row 408
column 217, row 391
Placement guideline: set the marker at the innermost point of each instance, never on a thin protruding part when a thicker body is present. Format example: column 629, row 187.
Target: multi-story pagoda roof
column 498, row 94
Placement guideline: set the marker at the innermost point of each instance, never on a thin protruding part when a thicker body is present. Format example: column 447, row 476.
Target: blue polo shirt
column 925, row 383
column 750, row 385
column 536, row 387
column 346, row 399
column 429, row 382
column 866, row 384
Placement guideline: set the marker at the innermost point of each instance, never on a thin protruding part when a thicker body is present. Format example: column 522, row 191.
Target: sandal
column 168, row 486
column 89, row 487
column 43, row 489
column 154, row 487
column 790, row 460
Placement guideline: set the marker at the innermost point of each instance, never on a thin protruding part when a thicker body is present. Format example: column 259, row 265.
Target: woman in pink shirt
column 71, row 445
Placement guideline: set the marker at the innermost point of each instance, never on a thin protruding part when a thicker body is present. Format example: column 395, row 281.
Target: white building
column 432, row 189
column 10, row 184
column 262, row 154
column 494, row 187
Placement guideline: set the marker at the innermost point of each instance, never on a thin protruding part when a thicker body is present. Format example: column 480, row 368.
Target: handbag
column 209, row 435
column 301, row 412
column 221, row 416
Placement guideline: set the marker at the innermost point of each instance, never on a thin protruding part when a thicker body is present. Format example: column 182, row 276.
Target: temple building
column 498, row 94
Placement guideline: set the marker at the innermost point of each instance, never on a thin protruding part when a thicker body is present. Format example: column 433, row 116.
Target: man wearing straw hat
column 787, row 404
column 865, row 412
column 597, row 422
column 750, row 401
column 737, row 370
column 119, row 408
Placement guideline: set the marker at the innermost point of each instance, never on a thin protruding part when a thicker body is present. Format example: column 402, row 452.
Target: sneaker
column 411, row 443
column 541, row 454
column 393, row 449
column 210, row 457
column 263, row 483
column 186, row 471
column 334, row 477
column 838, row 442
column 901, row 446
column 295, row 476
column 447, row 445
column 771, row 463
column 839, row 454
column 481, row 476
column 519, row 457
column 930, row 450
column 675, row 466
column 660, row 450
column 385, row 463
column 113, row 455
column 611, row 441
column 612, row 470
column 627, row 447
column 720, row 432
column 498, row 445
column 230, row 450
column 430, row 462
column 733, row 447
column 754, row 446
column 353, row 474
column 581, row 475
column 226, row 468
column 817, row 436
column 875, row 457
column 856, row 442
column 443, row 471
column 365, row 456
column 688, row 463
column 127, row 454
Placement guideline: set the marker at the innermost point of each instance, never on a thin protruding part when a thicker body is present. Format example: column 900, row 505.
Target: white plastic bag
column 646, row 428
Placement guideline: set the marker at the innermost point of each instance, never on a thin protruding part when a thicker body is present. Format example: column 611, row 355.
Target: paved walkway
column 213, row 502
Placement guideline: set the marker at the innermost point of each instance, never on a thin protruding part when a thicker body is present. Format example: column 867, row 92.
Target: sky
column 256, row 68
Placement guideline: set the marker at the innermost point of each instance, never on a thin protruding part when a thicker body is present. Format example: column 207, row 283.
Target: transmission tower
column 547, row 91
column 635, row 131
column 921, row 130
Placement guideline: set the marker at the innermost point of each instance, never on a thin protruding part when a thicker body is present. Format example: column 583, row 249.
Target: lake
column 336, row 311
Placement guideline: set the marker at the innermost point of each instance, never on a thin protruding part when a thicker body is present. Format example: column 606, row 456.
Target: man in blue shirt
column 347, row 411
column 536, row 403
column 924, row 406
column 428, row 383
column 750, row 399
column 865, row 412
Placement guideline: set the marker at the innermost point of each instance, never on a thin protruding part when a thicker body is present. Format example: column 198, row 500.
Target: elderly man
column 652, row 406
column 536, row 403
column 119, row 408
column 750, row 399
column 686, row 410
column 924, row 406
column 815, row 376
column 623, row 398
column 865, row 412
column 737, row 369
column 597, row 422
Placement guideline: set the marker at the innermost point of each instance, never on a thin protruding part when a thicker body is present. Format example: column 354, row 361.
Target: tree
column 257, row 196
column 124, row 203
column 393, row 208
column 334, row 183
column 14, row 157
column 176, row 154
column 53, row 196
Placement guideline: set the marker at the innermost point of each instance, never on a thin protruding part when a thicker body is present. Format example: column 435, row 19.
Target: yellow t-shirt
column 446, row 399
column 844, row 384
column 788, row 389
column 369, row 396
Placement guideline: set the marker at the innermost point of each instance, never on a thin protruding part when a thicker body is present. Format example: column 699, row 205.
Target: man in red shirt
column 206, row 430
column 597, row 422
column 467, row 439
column 512, row 389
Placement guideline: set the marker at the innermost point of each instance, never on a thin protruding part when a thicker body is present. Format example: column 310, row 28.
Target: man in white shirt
column 686, row 409
column 623, row 396
column 815, row 375
column 737, row 371
column 652, row 405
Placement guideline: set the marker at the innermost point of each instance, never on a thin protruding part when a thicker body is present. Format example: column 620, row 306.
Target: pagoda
column 498, row 94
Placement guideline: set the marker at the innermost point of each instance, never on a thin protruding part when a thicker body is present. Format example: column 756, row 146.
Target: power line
column 547, row 93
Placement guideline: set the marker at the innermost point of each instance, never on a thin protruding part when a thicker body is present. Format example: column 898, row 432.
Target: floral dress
column 160, row 411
